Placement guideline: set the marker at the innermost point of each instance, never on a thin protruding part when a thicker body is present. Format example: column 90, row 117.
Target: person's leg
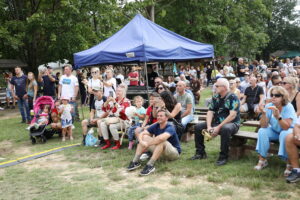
column 70, row 132
column 114, row 130
column 186, row 120
column 265, row 135
column 21, row 109
column 225, row 133
column 199, row 141
column 84, row 125
column 27, row 111
column 64, row 134
column 104, row 131
column 292, row 150
column 282, row 153
column 30, row 103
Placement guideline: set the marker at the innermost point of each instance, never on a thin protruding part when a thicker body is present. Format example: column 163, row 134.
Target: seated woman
column 116, row 108
column 234, row 89
column 173, row 109
column 161, row 87
column 291, row 85
column 277, row 121
column 292, row 143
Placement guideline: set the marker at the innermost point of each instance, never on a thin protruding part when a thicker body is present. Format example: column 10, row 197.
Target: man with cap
column 47, row 80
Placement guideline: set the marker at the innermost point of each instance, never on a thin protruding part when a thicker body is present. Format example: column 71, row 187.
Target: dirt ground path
column 9, row 113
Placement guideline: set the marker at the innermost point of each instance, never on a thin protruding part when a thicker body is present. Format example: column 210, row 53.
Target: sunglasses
column 160, row 88
column 279, row 83
column 284, row 83
column 217, row 86
column 94, row 72
column 157, row 82
column 276, row 95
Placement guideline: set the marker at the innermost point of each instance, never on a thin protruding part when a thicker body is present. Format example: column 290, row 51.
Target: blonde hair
column 283, row 92
column 138, row 98
column 30, row 82
column 294, row 81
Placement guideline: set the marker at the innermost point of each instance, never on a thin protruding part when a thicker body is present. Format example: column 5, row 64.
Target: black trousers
column 225, row 132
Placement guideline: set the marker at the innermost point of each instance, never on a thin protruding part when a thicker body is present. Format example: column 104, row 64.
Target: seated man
column 186, row 101
column 96, row 115
column 165, row 144
column 292, row 143
column 223, row 118
column 253, row 97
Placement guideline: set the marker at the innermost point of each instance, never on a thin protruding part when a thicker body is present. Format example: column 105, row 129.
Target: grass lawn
column 91, row 173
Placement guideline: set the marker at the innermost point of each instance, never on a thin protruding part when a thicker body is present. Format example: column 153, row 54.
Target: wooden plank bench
column 189, row 134
column 253, row 123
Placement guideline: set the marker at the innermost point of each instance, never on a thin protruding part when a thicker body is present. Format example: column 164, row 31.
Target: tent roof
column 142, row 40
column 290, row 54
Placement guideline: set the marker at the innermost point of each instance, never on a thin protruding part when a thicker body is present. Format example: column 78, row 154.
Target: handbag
column 90, row 139
column 178, row 128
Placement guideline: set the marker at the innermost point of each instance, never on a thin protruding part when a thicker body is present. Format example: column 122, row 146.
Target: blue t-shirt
column 20, row 85
column 288, row 112
column 30, row 90
column 155, row 130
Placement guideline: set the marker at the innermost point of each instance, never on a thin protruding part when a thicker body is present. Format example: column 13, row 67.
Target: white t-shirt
column 66, row 115
column 99, row 108
column 108, row 89
column 95, row 84
column 68, row 84
column 193, row 72
column 121, row 77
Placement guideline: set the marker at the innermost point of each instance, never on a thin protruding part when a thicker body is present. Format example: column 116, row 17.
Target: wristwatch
column 280, row 118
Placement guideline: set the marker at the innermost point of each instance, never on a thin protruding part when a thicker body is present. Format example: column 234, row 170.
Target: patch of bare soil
column 5, row 148
column 53, row 161
column 9, row 113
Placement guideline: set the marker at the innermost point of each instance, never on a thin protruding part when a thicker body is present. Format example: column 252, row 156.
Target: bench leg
column 237, row 149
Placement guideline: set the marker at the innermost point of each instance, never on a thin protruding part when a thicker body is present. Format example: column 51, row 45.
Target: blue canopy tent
column 142, row 41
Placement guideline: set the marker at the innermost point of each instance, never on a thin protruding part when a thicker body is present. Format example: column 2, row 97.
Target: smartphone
column 111, row 93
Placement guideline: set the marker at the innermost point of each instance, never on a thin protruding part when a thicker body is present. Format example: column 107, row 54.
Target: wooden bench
column 189, row 133
column 253, row 123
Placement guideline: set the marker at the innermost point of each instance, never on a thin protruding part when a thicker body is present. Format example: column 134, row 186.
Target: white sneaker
column 1, row 108
column 73, row 127
column 28, row 128
column 144, row 157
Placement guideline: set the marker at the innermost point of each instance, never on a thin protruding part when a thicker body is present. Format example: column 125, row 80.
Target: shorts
column 244, row 107
column 66, row 123
column 169, row 153
column 9, row 94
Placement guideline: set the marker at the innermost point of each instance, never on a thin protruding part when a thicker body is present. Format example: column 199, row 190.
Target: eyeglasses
column 279, row 83
column 157, row 82
column 231, row 83
column 284, row 83
column 95, row 72
column 160, row 88
column 276, row 95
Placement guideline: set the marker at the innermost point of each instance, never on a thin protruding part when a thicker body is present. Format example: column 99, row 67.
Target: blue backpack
column 90, row 140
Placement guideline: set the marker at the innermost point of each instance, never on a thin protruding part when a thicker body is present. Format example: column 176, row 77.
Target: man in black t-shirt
column 253, row 97
column 151, row 77
column 241, row 69
column 48, row 82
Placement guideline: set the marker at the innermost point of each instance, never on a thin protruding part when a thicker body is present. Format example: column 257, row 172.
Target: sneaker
column 1, row 108
column 28, row 128
column 293, row 177
column 145, row 156
column 133, row 165
column 148, row 169
column 73, row 127
column 221, row 162
column 199, row 156
column 63, row 139
column 71, row 138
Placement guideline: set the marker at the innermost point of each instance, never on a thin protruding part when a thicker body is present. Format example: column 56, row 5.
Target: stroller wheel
column 43, row 139
column 33, row 140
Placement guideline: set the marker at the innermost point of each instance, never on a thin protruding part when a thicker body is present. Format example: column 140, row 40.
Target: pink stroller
column 41, row 132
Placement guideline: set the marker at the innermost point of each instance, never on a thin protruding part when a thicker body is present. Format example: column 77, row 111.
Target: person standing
column 9, row 94
column 48, row 81
column 18, row 89
column 241, row 69
column 68, row 88
column 32, row 89
column 133, row 77
column 110, row 84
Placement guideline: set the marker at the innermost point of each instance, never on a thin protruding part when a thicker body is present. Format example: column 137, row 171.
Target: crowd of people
column 266, row 92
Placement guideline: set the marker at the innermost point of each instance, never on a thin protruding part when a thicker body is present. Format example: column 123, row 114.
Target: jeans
column 75, row 113
column 30, row 103
column 131, row 130
column 24, row 109
column 265, row 135
column 225, row 132
column 187, row 119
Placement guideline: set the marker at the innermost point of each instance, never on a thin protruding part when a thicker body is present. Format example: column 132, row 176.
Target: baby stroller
column 41, row 132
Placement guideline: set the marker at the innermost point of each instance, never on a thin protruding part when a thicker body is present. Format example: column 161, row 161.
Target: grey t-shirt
column 184, row 100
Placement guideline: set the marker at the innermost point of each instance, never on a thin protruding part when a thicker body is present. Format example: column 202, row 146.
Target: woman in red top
column 133, row 77
column 116, row 108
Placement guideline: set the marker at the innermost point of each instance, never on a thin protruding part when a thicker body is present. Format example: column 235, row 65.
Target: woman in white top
column 228, row 68
column 261, row 83
column 110, row 84
column 262, row 69
column 94, row 83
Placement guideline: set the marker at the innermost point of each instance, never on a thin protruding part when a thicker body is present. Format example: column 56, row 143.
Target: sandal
column 288, row 170
column 261, row 164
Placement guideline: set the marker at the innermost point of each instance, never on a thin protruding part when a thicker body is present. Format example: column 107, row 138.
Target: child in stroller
column 42, row 112
column 43, row 118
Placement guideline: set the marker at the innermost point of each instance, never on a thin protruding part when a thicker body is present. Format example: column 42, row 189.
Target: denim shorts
column 8, row 94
